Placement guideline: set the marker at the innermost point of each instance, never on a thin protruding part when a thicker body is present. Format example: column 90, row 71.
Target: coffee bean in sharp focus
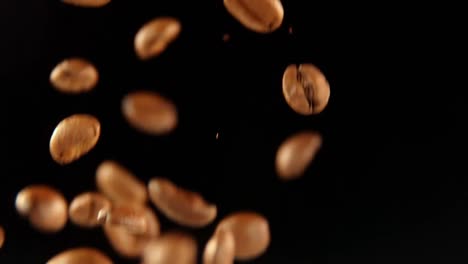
column 119, row 184
column 305, row 89
column 220, row 248
column 154, row 37
column 296, row 153
column 150, row 112
column 45, row 207
column 73, row 137
column 172, row 247
column 80, row 255
column 74, row 76
column 251, row 233
column 89, row 209
column 2, row 236
column 131, row 217
column 261, row 16
column 87, row 3
column 182, row 206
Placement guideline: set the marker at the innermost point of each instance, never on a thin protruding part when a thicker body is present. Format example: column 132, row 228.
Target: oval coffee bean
column 80, row 256
column 220, row 248
column 172, row 247
column 133, row 218
column 154, row 36
column 74, row 75
column 251, row 233
column 296, row 153
column 119, row 184
column 73, row 137
column 181, row 206
column 149, row 112
column 89, row 209
column 305, row 89
column 132, row 245
column 87, row 3
column 261, row 16
column 2, row 236
column 45, row 207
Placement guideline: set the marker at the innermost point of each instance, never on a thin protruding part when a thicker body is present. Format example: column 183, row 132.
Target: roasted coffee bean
column 87, row 3
column 251, row 233
column 261, row 16
column 89, row 209
column 181, row 206
column 170, row 248
column 128, row 244
column 2, row 236
column 155, row 36
column 73, row 137
column 119, row 184
column 74, row 76
column 132, row 218
column 80, row 256
column 150, row 112
column 296, row 153
column 220, row 248
column 305, row 89
column 45, row 207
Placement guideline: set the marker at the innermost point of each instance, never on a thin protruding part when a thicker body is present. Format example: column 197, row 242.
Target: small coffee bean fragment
column 261, row 16
column 170, row 248
column 82, row 255
column 220, row 248
column 87, row 3
column 74, row 76
column 89, row 209
column 45, row 207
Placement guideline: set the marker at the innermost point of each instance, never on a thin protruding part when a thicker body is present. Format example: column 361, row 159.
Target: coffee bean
column 2, row 236
column 73, row 137
column 305, row 89
column 45, row 207
column 251, row 233
column 74, row 76
column 80, row 256
column 149, row 112
column 119, row 184
column 182, row 206
column 155, row 36
column 296, row 153
column 133, row 218
column 220, row 248
column 89, row 209
column 87, row 3
column 129, row 244
column 172, row 247
column 261, row 16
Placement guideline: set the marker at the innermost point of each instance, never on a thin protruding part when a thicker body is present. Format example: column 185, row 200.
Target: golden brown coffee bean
column 131, row 217
column 89, row 209
column 45, row 207
column 119, row 184
column 261, row 16
column 80, row 255
column 2, row 236
column 74, row 75
column 170, row 248
column 305, row 89
column 251, row 233
column 87, row 3
column 128, row 244
column 181, row 206
column 296, row 153
column 155, row 36
column 149, row 112
column 73, row 137
column 220, row 248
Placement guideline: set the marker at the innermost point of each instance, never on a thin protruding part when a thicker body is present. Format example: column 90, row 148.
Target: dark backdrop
column 388, row 186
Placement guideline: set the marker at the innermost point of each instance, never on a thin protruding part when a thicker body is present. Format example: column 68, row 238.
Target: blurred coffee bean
column 261, row 16
column 133, row 218
column 220, row 248
column 2, row 236
column 170, row 248
column 74, row 76
column 81, row 255
column 89, row 209
column 87, row 3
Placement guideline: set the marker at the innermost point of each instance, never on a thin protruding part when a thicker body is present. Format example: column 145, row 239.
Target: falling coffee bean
column 149, row 112
column 74, row 76
column 87, row 3
column 119, row 184
column 261, row 16
column 251, row 233
column 80, row 256
column 172, row 247
column 45, row 207
column 2, row 236
column 305, row 89
column 73, row 137
column 220, row 248
column 89, row 209
column 181, row 206
column 133, row 218
column 296, row 153
column 155, row 36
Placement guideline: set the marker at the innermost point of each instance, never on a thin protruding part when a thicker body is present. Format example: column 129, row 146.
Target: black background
column 387, row 187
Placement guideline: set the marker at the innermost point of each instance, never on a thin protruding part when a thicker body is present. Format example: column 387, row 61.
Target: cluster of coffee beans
column 120, row 207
